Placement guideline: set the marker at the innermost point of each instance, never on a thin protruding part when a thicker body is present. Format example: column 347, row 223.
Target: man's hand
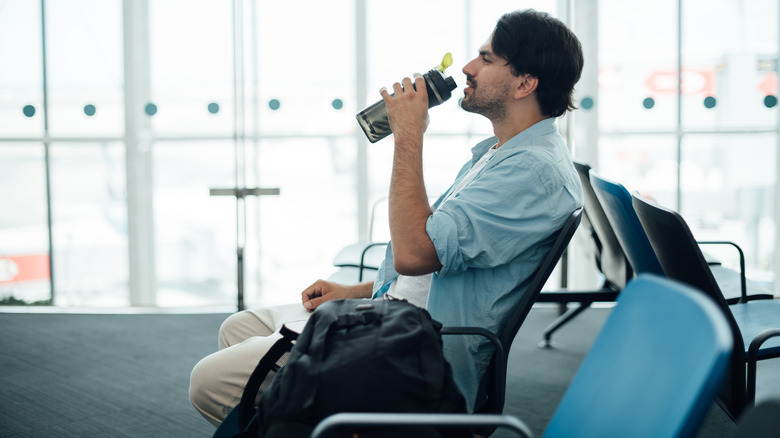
column 322, row 291
column 407, row 109
column 407, row 112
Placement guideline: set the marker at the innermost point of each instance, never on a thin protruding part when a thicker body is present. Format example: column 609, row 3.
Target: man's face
column 489, row 84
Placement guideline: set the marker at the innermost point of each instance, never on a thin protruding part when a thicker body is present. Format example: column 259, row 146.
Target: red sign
column 15, row 269
column 693, row 82
column 768, row 85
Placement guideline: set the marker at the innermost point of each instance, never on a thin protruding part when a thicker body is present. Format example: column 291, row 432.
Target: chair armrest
column 742, row 279
column 752, row 360
column 367, row 419
column 360, row 256
column 362, row 264
column 499, row 359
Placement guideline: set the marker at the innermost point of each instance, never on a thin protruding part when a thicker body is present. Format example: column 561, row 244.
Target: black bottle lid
column 439, row 87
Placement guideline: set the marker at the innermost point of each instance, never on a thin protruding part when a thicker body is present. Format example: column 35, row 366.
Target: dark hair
column 535, row 43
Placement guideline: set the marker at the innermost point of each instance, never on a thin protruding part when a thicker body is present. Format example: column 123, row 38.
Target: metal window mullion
column 361, row 97
column 777, row 178
column 138, row 154
column 46, row 151
column 239, row 145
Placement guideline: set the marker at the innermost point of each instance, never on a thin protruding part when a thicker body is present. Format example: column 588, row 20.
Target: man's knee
column 239, row 327
column 204, row 390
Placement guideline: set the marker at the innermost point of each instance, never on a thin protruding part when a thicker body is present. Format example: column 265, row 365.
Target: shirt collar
column 543, row 127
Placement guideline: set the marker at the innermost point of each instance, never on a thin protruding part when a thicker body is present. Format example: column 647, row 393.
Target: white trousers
column 217, row 381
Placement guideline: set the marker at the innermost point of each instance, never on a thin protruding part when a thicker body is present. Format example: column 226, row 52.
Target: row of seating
column 633, row 235
column 658, row 240
column 617, row 260
column 651, row 331
column 628, row 384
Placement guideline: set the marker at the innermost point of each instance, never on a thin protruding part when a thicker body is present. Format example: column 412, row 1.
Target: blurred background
column 118, row 118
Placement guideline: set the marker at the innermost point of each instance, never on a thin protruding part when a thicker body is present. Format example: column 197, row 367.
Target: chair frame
column 684, row 261
column 362, row 419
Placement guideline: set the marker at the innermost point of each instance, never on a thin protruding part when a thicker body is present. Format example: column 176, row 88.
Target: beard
column 486, row 100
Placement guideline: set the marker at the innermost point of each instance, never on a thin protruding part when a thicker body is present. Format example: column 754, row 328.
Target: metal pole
column 46, row 145
column 138, row 154
column 239, row 136
column 361, row 98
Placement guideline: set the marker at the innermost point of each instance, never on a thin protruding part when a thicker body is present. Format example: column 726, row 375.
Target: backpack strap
column 267, row 364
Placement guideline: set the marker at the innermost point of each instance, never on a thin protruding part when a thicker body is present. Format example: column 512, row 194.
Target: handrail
column 499, row 359
column 367, row 419
column 742, row 279
column 752, row 360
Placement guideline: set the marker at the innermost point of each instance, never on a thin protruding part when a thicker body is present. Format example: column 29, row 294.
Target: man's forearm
column 413, row 250
column 363, row 290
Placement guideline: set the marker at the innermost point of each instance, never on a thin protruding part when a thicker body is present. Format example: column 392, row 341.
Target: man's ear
column 525, row 85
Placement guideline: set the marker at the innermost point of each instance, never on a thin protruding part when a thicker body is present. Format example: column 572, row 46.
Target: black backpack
column 354, row 356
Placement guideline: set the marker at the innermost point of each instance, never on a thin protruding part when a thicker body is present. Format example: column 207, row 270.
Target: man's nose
column 467, row 68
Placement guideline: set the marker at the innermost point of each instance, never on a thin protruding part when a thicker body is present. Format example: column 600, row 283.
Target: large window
column 119, row 118
column 708, row 146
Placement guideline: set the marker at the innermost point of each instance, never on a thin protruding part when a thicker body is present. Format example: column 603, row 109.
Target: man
column 468, row 258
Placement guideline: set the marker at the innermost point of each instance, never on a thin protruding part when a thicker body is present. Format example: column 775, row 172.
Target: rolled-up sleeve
column 495, row 217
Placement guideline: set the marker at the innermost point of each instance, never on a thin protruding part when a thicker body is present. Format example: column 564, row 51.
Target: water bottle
column 373, row 120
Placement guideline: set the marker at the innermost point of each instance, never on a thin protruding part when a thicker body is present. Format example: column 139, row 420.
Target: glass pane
column 89, row 211
column 729, row 180
column 84, row 61
column 637, row 65
column 300, row 231
column 21, row 86
column 195, row 233
column 191, row 67
column 438, row 27
column 24, row 241
column 730, row 78
column 647, row 163
column 304, row 85
column 728, row 194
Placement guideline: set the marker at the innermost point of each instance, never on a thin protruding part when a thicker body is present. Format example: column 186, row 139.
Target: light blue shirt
column 490, row 238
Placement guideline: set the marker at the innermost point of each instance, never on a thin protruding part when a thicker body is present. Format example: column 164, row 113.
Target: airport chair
column 619, row 210
column 755, row 324
column 621, row 215
column 627, row 385
column 360, row 262
column 492, row 402
column 609, row 257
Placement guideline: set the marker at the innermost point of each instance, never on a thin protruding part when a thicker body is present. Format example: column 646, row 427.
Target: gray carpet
column 81, row 375
column 65, row 375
